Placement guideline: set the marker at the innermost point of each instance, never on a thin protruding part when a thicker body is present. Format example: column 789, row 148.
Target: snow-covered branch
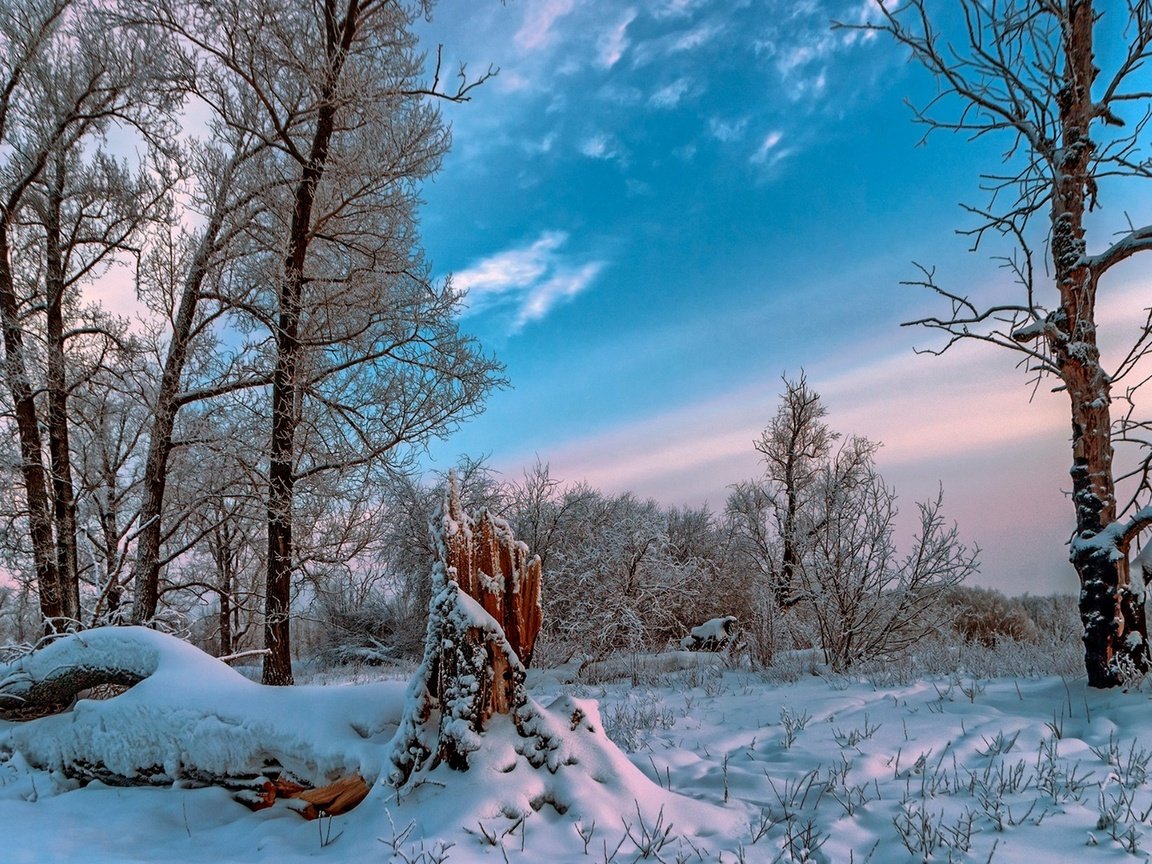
column 1137, row 240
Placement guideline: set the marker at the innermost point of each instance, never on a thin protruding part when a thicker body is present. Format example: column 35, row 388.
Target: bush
column 374, row 631
column 987, row 617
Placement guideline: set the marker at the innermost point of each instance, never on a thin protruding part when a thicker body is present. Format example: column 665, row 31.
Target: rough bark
column 500, row 573
column 32, row 472
column 59, row 451
column 146, row 575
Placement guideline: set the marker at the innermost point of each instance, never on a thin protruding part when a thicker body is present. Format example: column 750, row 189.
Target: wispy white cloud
column 536, row 30
column 764, row 151
column 564, row 284
column 669, row 95
column 727, row 131
column 614, row 42
column 540, row 146
column 770, row 153
column 600, row 146
column 526, row 281
column 695, row 37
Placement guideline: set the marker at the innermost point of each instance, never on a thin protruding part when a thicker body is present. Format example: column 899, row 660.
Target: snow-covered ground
column 738, row 768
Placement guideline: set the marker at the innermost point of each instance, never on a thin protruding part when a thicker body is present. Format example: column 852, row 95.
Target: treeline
column 806, row 556
column 623, row 574
column 252, row 168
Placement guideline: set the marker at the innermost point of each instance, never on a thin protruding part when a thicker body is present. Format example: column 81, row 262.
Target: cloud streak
column 525, row 283
column 536, row 32
column 614, row 42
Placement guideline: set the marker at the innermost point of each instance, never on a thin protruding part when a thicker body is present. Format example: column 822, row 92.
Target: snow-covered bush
column 620, row 573
column 371, row 630
column 715, row 634
column 1056, row 616
column 19, row 615
column 866, row 600
column 986, row 616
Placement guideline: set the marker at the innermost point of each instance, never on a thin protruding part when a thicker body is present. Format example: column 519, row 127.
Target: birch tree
column 1026, row 71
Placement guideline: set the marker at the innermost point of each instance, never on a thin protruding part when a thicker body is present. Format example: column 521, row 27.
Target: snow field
column 723, row 766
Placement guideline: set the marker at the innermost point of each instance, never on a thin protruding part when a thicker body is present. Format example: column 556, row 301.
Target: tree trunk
column 146, row 575
column 1113, row 616
column 32, row 470
column 59, row 452
column 285, row 384
column 225, row 581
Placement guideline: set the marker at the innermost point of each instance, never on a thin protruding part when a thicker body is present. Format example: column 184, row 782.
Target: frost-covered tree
column 794, row 448
column 867, row 600
column 68, row 77
column 826, row 519
column 307, row 253
column 1028, row 71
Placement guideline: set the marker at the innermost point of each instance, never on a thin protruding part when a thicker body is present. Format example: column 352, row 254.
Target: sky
column 658, row 208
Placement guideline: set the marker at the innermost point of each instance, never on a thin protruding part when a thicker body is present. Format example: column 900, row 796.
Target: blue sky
column 658, row 207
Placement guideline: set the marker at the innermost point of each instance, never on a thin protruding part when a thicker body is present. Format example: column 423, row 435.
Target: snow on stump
column 473, row 745
column 715, row 634
column 482, row 627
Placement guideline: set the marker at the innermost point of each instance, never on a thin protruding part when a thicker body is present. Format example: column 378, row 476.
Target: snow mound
column 584, row 780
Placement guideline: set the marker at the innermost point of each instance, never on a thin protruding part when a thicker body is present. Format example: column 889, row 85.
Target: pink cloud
column 536, row 31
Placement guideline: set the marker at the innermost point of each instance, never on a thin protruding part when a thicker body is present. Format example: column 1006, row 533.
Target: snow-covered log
column 188, row 718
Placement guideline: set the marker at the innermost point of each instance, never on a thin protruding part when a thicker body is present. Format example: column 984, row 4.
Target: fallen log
column 188, row 719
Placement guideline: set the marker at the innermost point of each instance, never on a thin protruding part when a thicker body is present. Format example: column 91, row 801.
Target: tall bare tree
column 1027, row 70
column 359, row 329
column 320, row 130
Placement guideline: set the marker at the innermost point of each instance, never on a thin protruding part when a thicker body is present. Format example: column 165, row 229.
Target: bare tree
column 67, row 79
column 866, row 601
column 320, row 132
column 794, row 446
column 1026, row 69
column 389, row 371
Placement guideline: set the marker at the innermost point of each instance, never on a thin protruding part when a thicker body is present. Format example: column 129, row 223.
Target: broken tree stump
column 491, row 566
column 482, row 627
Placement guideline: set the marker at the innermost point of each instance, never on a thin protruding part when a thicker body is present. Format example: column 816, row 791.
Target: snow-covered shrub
column 370, row 630
column 986, row 616
column 612, row 579
column 946, row 654
column 1056, row 616
column 19, row 615
column 715, row 634
column 866, row 600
